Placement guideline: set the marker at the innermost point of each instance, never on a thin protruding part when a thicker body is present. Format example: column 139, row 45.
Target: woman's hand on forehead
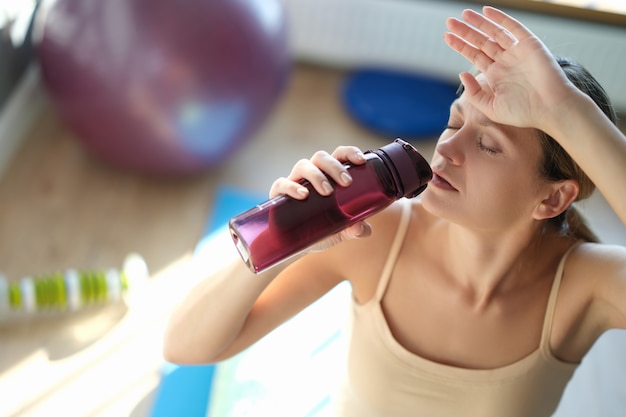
column 521, row 80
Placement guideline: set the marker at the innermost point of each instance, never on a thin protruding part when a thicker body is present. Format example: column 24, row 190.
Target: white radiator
column 408, row 34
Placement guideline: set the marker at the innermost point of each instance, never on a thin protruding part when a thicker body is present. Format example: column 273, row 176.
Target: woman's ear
column 560, row 196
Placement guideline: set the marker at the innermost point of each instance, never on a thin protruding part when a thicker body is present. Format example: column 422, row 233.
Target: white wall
column 409, row 34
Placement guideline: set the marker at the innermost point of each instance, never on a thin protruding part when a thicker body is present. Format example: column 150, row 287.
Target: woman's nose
column 451, row 148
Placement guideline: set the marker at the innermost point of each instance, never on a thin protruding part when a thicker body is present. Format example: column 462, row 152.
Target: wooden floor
column 61, row 207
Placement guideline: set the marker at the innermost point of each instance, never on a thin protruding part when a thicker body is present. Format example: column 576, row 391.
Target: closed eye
column 482, row 147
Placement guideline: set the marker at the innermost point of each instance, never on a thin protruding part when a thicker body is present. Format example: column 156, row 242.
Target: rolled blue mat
column 400, row 104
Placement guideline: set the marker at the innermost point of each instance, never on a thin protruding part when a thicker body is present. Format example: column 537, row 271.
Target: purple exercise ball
column 159, row 86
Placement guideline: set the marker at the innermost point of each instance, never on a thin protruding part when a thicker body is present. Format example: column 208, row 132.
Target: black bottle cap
column 410, row 170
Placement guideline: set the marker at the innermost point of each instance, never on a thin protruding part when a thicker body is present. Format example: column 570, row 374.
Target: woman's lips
column 441, row 182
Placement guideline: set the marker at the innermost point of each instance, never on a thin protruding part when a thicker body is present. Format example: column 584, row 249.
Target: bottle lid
column 409, row 169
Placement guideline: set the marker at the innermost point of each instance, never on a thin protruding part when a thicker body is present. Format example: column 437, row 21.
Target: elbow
column 181, row 350
column 178, row 355
column 186, row 357
column 172, row 351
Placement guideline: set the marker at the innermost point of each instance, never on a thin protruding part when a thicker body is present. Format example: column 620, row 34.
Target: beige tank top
column 386, row 380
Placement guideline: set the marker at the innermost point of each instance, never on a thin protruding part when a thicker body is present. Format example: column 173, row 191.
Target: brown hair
column 557, row 165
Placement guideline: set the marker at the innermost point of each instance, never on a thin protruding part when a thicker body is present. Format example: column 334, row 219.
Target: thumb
column 479, row 94
column 358, row 230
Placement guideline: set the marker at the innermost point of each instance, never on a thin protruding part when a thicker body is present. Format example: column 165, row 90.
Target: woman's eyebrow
column 484, row 121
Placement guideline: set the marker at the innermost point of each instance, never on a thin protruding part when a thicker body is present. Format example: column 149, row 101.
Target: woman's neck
column 487, row 264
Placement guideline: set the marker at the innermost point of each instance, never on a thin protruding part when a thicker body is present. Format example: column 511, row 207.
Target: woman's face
column 485, row 174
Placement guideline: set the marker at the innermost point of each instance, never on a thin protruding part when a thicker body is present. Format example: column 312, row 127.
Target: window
column 601, row 11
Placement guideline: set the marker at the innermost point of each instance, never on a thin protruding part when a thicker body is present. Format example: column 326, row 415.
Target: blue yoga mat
column 184, row 390
column 292, row 372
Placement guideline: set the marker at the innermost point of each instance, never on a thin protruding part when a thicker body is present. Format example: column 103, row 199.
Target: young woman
column 481, row 296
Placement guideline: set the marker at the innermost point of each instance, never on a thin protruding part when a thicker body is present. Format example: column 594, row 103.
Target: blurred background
column 122, row 123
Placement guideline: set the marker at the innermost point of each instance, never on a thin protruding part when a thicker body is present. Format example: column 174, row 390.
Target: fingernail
column 360, row 156
column 346, row 178
column 364, row 231
column 303, row 191
column 327, row 187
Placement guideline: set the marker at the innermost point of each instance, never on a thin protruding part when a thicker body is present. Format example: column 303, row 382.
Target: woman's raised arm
column 525, row 87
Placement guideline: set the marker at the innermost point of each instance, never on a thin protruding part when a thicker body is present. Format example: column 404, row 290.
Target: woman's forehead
column 463, row 107
column 459, row 105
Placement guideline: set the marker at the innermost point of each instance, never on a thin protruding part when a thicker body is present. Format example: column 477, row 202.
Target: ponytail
column 572, row 223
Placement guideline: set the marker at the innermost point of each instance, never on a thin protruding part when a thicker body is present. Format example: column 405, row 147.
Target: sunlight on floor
column 46, row 381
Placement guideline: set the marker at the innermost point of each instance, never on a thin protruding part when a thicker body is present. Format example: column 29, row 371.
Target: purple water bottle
column 282, row 227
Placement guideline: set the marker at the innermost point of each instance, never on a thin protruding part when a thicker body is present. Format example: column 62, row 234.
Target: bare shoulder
column 591, row 299
column 600, row 271
column 362, row 260
column 386, row 225
column 597, row 261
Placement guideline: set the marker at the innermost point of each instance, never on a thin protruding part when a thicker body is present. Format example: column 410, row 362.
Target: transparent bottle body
column 282, row 227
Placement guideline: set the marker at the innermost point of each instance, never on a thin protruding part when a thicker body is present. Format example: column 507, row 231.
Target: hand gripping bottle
column 282, row 227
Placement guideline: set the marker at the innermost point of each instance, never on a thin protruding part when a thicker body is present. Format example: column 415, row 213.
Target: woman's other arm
column 234, row 308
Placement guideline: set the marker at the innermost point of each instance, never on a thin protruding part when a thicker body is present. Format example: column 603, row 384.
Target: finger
column 499, row 35
column 314, row 171
column 358, row 230
column 514, row 27
column 284, row 186
column 480, row 95
column 355, row 231
column 349, row 154
column 475, row 38
column 470, row 85
column 333, row 167
column 469, row 51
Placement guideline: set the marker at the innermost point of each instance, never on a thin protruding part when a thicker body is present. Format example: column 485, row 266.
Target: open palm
column 521, row 81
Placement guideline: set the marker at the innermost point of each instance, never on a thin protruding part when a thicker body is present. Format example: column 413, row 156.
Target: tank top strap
column 394, row 251
column 554, row 292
